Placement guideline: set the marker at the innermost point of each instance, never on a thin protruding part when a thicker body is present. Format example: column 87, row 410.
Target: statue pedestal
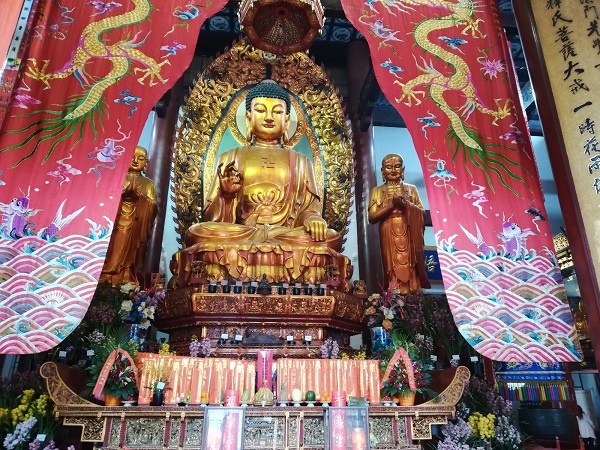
column 264, row 321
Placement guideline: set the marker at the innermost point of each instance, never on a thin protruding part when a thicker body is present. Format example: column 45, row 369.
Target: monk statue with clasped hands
column 263, row 211
column 397, row 208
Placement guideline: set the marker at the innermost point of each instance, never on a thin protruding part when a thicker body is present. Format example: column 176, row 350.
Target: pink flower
column 491, row 67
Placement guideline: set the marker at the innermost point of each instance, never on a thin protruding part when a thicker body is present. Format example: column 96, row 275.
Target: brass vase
column 408, row 399
column 111, row 400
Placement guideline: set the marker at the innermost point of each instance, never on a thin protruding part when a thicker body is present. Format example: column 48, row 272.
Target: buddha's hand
column 231, row 179
column 317, row 227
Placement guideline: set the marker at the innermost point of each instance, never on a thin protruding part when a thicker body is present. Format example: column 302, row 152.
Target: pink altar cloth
column 186, row 375
column 357, row 378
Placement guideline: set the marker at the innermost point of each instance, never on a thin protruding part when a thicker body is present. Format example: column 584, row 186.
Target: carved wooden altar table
column 173, row 427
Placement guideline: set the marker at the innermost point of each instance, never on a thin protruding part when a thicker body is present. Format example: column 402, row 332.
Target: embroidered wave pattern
column 510, row 310
column 45, row 289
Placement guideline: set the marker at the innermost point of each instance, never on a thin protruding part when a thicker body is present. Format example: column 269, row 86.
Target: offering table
column 146, row 427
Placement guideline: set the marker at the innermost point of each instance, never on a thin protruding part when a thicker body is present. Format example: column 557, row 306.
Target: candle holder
column 307, row 340
column 308, row 290
column 281, row 290
column 212, row 288
column 320, row 290
column 252, row 289
column 290, row 340
column 225, row 288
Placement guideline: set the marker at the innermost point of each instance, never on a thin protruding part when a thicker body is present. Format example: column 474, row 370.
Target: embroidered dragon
column 91, row 52
column 436, row 85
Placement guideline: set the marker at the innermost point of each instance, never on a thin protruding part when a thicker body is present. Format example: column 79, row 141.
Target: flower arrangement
column 165, row 349
column 197, row 347
column 35, row 445
column 361, row 355
column 25, row 411
column 140, row 305
column 484, row 420
column 424, row 321
column 397, row 383
column 381, row 310
column 330, row 349
column 120, row 382
column 116, row 338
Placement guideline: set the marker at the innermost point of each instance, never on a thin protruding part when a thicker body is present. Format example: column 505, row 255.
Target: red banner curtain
column 18, row 16
column 446, row 67
column 89, row 78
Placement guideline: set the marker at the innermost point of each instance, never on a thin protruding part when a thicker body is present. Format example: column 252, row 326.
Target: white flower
column 144, row 323
column 126, row 305
column 387, row 313
column 127, row 288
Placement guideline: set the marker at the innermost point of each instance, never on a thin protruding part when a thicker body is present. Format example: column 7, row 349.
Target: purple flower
column 195, row 347
column 330, row 349
column 205, row 346
column 20, row 435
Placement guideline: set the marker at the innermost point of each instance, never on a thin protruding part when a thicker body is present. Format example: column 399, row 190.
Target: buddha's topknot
column 268, row 89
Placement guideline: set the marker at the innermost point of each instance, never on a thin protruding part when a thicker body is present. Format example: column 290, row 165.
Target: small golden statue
column 359, row 287
column 397, row 207
column 137, row 211
column 263, row 211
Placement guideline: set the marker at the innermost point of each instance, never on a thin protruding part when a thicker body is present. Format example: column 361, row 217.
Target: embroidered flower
column 491, row 67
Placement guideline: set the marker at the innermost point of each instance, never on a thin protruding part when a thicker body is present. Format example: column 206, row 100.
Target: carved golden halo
column 233, row 71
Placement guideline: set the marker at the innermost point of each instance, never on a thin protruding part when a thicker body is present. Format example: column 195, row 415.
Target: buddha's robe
column 131, row 231
column 264, row 223
column 401, row 237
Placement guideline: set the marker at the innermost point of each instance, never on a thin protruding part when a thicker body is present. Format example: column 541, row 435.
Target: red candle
column 338, row 398
column 232, row 398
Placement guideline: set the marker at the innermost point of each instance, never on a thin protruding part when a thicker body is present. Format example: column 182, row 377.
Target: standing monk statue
column 262, row 213
column 137, row 211
column 397, row 207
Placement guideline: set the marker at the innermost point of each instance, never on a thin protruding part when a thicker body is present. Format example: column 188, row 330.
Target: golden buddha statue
column 131, row 231
column 263, row 211
column 397, row 207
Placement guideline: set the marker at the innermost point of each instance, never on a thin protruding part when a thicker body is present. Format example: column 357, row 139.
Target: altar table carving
column 174, row 427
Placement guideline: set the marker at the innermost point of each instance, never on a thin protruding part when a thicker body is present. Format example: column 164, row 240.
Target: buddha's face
column 268, row 118
column 138, row 163
column 392, row 168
